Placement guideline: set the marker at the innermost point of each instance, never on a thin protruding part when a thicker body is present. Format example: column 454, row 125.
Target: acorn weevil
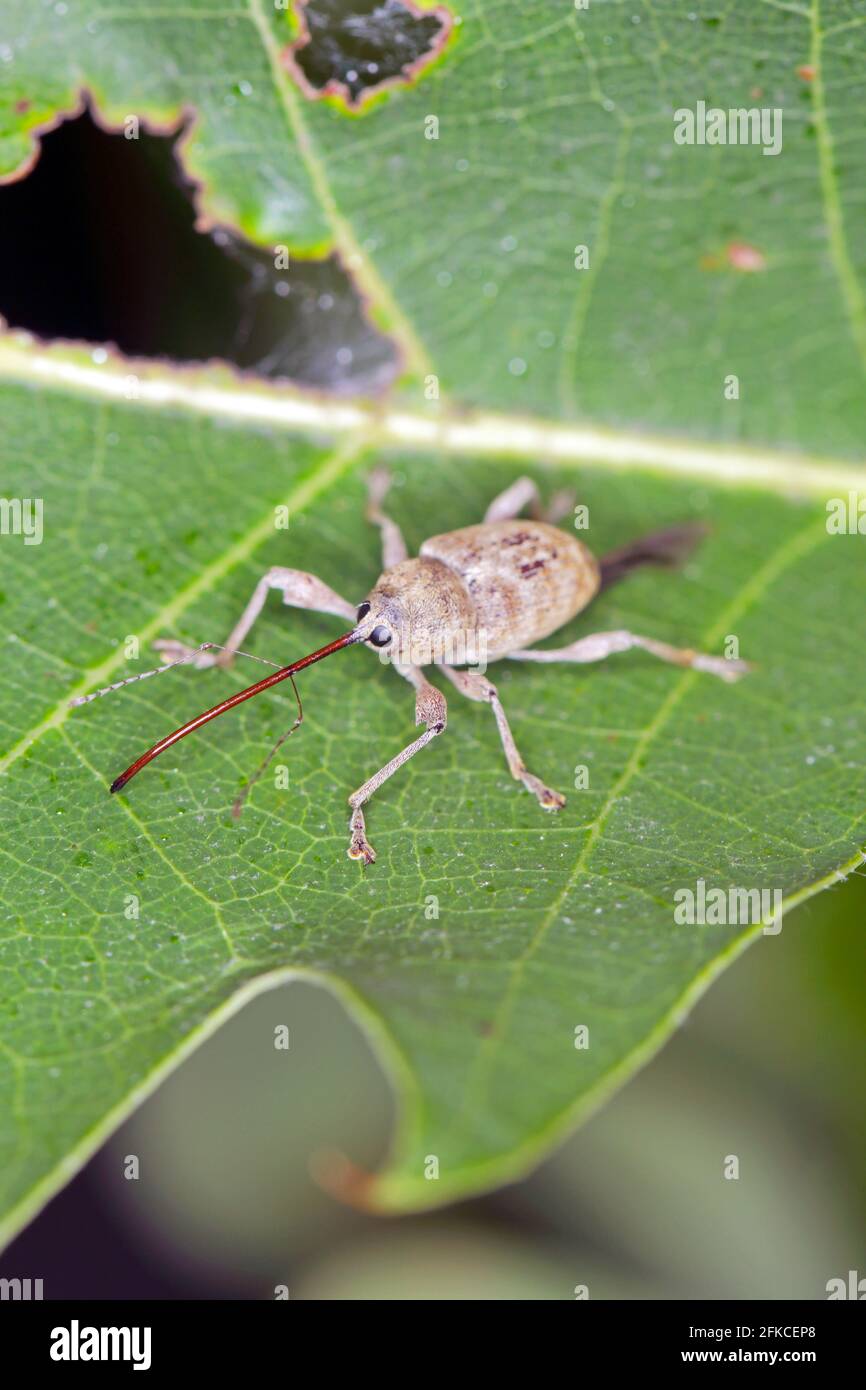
column 496, row 588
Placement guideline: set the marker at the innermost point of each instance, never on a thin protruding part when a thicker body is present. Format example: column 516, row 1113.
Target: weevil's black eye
column 380, row 636
column 363, row 610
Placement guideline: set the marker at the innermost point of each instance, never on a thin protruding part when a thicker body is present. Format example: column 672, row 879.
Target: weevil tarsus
column 517, row 581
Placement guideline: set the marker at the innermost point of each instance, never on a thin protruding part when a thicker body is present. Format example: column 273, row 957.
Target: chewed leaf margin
column 338, row 93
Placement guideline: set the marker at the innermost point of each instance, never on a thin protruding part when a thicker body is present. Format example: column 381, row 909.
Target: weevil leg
column 394, row 547
column 478, row 687
column 511, row 502
column 299, row 590
column 603, row 644
column 524, row 492
column 560, row 505
column 431, row 709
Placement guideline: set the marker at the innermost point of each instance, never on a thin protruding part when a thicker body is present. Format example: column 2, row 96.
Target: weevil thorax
column 419, row 612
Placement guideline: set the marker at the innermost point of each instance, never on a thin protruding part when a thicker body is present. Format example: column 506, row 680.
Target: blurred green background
column 770, row 1067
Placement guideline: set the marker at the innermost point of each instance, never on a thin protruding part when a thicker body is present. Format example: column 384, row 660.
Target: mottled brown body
column 514, row 581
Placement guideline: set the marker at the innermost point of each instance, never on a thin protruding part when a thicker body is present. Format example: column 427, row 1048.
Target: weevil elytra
column 496, row 588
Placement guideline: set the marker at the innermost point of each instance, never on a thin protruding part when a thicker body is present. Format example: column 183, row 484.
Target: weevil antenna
column 240, row 799
column 167, row 666
column 284, row 673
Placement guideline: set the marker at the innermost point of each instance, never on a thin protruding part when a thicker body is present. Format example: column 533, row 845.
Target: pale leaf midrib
column 217, row 392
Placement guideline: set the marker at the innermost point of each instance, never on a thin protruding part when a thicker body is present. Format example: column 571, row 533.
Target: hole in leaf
column 349, row 48
column 99, row 243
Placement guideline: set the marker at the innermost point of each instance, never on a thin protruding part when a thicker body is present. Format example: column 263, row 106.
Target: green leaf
column 555, row 130
column 159, row 520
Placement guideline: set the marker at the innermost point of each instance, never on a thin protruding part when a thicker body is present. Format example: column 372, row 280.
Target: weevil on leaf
column 495, row 588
